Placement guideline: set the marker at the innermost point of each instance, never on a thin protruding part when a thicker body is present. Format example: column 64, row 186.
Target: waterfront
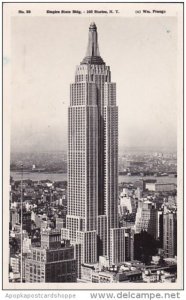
column 36, row 176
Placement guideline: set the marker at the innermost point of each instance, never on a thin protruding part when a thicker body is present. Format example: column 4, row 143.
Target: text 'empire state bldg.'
column 92, row 217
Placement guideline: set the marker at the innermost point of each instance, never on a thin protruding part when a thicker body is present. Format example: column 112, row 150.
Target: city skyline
column 92, row 175
column 147, row 113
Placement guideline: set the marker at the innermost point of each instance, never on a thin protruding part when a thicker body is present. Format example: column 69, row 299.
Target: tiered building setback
column 93, row 156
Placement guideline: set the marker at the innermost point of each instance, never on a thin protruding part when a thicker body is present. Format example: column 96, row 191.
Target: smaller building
column 160, row 187
column 129, row 276
column 129, row 244
column 117, row 246
column 86, row 272
column 15, row 263
column 60, row 223
column 27, row 221
column 52, row 262
column 26, row 245
column 170, row 234
column 146, row 217
column 151, row 276
column 166, row 274
column 103, row 277
column 14, row 218
column 103, row 262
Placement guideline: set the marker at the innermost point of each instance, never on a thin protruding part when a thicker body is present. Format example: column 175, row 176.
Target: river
column 63, row 176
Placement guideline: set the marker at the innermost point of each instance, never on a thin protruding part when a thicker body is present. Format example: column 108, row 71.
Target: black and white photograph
column 93, row 146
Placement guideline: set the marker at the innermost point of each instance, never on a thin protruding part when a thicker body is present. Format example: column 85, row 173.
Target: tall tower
column 92, row 155
column 169, row 233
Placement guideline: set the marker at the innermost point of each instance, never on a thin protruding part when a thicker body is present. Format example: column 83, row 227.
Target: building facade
column 146, row 217
column 92, row 156
column 169, row 234
column 52, row 262
column 129, row 244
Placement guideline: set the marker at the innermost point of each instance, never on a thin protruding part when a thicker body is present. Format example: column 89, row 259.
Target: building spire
column 92, row 49
column 92, row 54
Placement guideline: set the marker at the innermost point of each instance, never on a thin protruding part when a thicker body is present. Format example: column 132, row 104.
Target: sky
column 142, row 55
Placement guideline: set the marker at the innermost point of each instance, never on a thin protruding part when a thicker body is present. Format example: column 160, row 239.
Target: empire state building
column 92, row 215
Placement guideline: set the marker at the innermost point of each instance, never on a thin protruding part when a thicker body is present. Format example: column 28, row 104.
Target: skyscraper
column 169, row 233
column 53, row 261
column 146, row 217
column 92, row 155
